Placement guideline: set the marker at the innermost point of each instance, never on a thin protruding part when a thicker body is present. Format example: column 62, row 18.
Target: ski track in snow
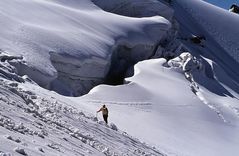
column 196, row 18
column 199, row 94
column 62, row 128
column 196, row 90
column 142, row 106
column 34, row 121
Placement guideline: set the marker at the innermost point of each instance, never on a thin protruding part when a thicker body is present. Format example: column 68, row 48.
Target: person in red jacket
column 105, row 113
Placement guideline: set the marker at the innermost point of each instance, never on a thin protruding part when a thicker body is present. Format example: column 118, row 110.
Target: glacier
column 166, row 95
column 51, row 34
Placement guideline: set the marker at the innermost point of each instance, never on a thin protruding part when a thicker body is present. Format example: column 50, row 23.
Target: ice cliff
column 62, row 47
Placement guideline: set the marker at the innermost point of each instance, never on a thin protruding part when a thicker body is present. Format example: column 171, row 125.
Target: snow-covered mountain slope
column 162, row 107
column 183, row 105
column 175, row 105
column 34, row 121
column 219, row 26
column 67, row 46
column 136, row 8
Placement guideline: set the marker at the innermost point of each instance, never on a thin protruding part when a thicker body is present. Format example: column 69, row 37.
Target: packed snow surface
column 163, row 108
column 136, row 8
column 34, row 121
column 217, row 25
column 67, row 45
column 184, row 105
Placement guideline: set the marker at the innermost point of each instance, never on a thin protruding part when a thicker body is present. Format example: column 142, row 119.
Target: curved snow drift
column 136, row 8
column 166, row 98
column 49, row 34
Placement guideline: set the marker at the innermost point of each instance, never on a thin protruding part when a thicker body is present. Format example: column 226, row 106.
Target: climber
column 104, row 113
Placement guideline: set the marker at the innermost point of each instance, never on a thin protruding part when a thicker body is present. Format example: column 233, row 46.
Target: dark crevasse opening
column 123, row 60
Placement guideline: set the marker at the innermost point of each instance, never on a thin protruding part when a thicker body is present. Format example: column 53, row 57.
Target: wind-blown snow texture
column 183, row 103
column 67, row 45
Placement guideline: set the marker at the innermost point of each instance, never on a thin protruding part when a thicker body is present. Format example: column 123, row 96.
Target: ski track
column 62, row 128
column 142, row 106
column 194, row 19
column 32, row 124
column 196, row 90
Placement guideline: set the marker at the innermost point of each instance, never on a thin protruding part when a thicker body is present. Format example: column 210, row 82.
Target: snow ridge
column 189, row 90
column 53, row 33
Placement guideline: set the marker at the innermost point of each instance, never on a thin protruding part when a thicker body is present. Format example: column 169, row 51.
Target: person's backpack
column 105, row 111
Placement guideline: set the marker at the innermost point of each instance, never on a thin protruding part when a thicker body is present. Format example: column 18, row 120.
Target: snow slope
column 161, row 109
column 168, row 106
column 136, row 8
column 185, row 106
column 219, row 26
column 66, row 45
column 34, row 121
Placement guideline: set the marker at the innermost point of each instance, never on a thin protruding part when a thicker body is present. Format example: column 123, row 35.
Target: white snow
column 69, row 41
column 136, row 8
column 217, row 25
column 184, row 106
column 159, row 107
column 34, row 121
